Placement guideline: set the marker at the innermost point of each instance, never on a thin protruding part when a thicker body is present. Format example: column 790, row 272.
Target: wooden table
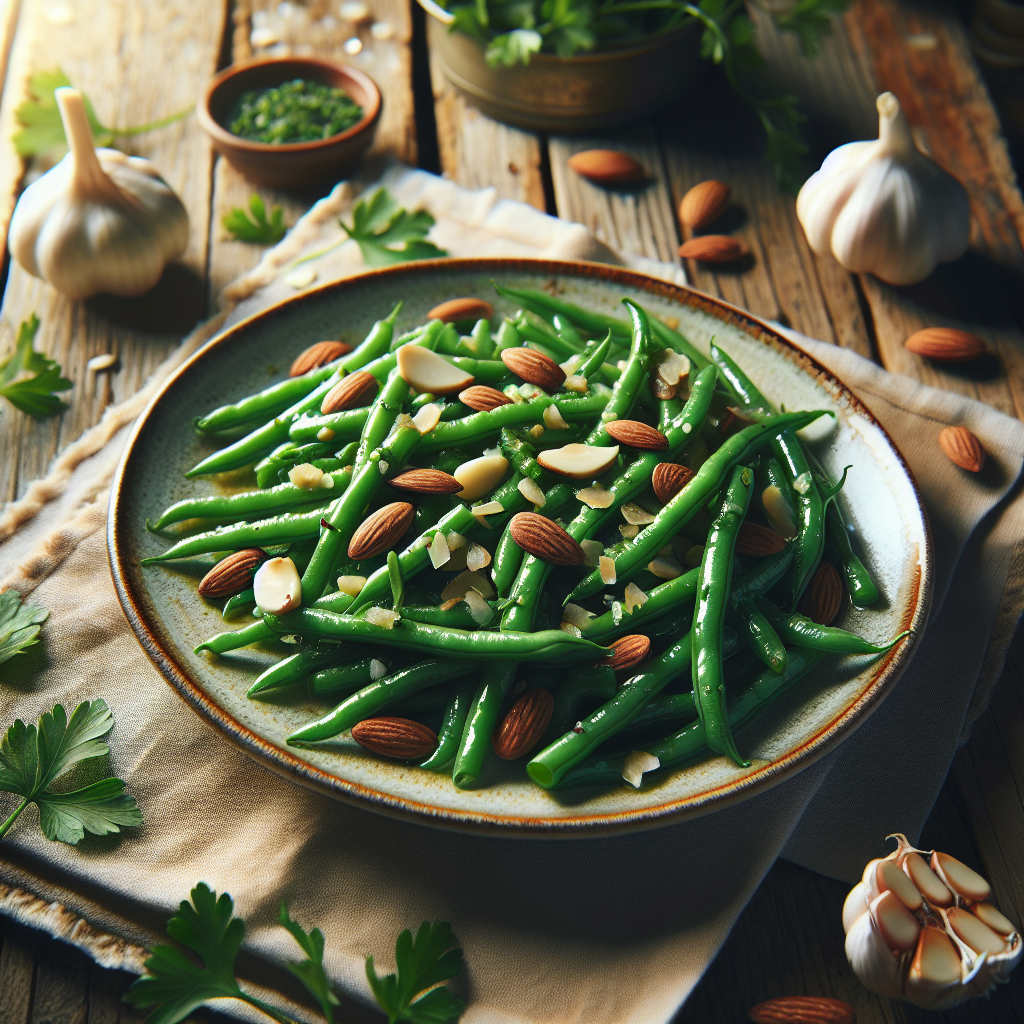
column 142, row 59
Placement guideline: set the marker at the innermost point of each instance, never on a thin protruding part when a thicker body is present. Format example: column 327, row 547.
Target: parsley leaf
column 311, row 970
column 32, row 394
column 379, row 225
column 810, row 20
column 257, row 229
column 424, row 962
column 33, row 757
column 19, row 624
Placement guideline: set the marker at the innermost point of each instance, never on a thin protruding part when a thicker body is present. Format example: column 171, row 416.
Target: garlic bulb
column 884, row 207
column 924, row 931
column 99, row 221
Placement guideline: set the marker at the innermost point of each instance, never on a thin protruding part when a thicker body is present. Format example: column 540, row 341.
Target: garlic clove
column 960, row 878
column 929, row 883
column 480, row 476
column 973, row 932
column 579, row 461
column 871, row 959
column 936, row 963
column 277, row 586
column 779, row 513
column 889, row 878
column 993, row 918
column 897, row 925
column 427, row 371
column 854, row 905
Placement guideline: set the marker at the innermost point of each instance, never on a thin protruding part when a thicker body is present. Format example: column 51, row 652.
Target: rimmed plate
column 169, row 619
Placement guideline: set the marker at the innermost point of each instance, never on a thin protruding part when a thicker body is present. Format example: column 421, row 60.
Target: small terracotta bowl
column 293, row 163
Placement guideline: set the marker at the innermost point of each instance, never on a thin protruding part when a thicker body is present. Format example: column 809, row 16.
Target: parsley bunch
column 28, row 379
column 33, row 757
column 176, row 985
column 512, row 30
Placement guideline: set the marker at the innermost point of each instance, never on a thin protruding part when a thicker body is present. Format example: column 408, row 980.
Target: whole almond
column 704, row 204
column 758, row 540
column 395, row 737
column 628, row 652
column 946, row 345
column 962, row 448
column 351, row 392
column 483, row 398
column 233, row 574
column 320, row 354
column 824, row 595
column 712, row 249
column 637, row 435
column 381, row 530
column 606, row 166
column 524, row 724
column 545, row 539
column 802, row 1010
column 426, row 481
column 534, row 367
column 669, row 479
column 455, row 310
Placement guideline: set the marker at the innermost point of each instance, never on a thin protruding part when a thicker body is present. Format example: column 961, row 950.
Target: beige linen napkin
column 588, row 931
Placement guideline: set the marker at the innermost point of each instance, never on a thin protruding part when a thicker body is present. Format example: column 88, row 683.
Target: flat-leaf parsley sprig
column 33, row 757
column 28, row 379
column 176, row 985
column 386, row 233
column 257, row 228
column 19, row 624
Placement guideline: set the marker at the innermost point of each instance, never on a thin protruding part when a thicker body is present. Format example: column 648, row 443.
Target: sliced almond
column 438, row 551
column 466, row 581
column 553, row 419
column 635, row 515
column 577, row 615
column 477, row 557
column 480, row 476
column 351, row 392
column 427, row 418
column 381, row 530
column 425, row 370
column 778, row 511
column 634, row 598
column 673, row 366
column 277, row 586
column 596, row 497
column 455, row 310
column 545, row 539
column 579, row 461
column 320, row 354
column 531, row 492
column 636, row 763
column 592, row 550
column 606, row 569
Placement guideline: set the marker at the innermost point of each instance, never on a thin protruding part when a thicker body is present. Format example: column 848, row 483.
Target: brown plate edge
column 890, row 667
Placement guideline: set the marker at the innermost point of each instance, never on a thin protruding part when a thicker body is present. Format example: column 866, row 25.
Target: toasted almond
column 426, row 481
column 712, row 249
column 669, row 479
column 480, row 476
column 277, row 586
column 606, row 166
column 946, row 345
column 545, row 539
column 351, row 392
column 628, row 652
column 381, row 530
column 534, row 367
column 233, row 574
column 962, row 448
column 704, row 204
column 455, row 310
column 663, row 392
column 427, row 371
column 524, row 724
column 802, row 1010
column 579, row 461
column 824, row 595
column 400, row 738
column 758, row 540
column 320, row 354
column 637, row 435
column 483, row 398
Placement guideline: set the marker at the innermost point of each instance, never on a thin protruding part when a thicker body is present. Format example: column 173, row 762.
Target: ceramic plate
column 169, row 619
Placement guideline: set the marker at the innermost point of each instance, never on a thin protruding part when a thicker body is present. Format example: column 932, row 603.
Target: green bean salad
column 565, row 538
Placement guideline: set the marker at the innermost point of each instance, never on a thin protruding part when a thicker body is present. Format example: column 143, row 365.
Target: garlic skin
column 919, row 928
column 99, row 221
column 884, row 207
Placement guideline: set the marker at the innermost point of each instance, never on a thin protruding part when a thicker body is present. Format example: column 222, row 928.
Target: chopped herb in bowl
column 296, row 111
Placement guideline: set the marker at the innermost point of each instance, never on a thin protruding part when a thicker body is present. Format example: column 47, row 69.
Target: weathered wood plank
column 61, row 987
column 17, row 966
column 110, row 50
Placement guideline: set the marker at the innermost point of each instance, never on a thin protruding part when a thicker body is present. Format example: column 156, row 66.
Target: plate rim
column 284, row 762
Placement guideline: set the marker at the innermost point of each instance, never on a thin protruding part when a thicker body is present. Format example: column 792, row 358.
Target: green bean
column 810, row 541
column 448, row 340
column 354, row 675
column 245, row 600
column 689, row 743
column 479, row 344
column 295, row 668
column 484, row 712
column 594, row 356
column 457, row 644
column 222, row 643
column 581, row 691
column 675, row 594
column 383, row 413
column 543, row 337
column 379, row 695
column 863, row 591
column 669, row 707
column 762, row 639
column 508, row 337
column 456, row 617
column 449, row 735
column 256, row 444
column 802, row 632
column 712, row 598
column 347, row 425
column 410, row 335
column 567, row 332
column 422, row 702
column 762, row 576
column 551, row 764
column 694, row 496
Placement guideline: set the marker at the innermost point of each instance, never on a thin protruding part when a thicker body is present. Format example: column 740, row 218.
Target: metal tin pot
column 579, row 94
